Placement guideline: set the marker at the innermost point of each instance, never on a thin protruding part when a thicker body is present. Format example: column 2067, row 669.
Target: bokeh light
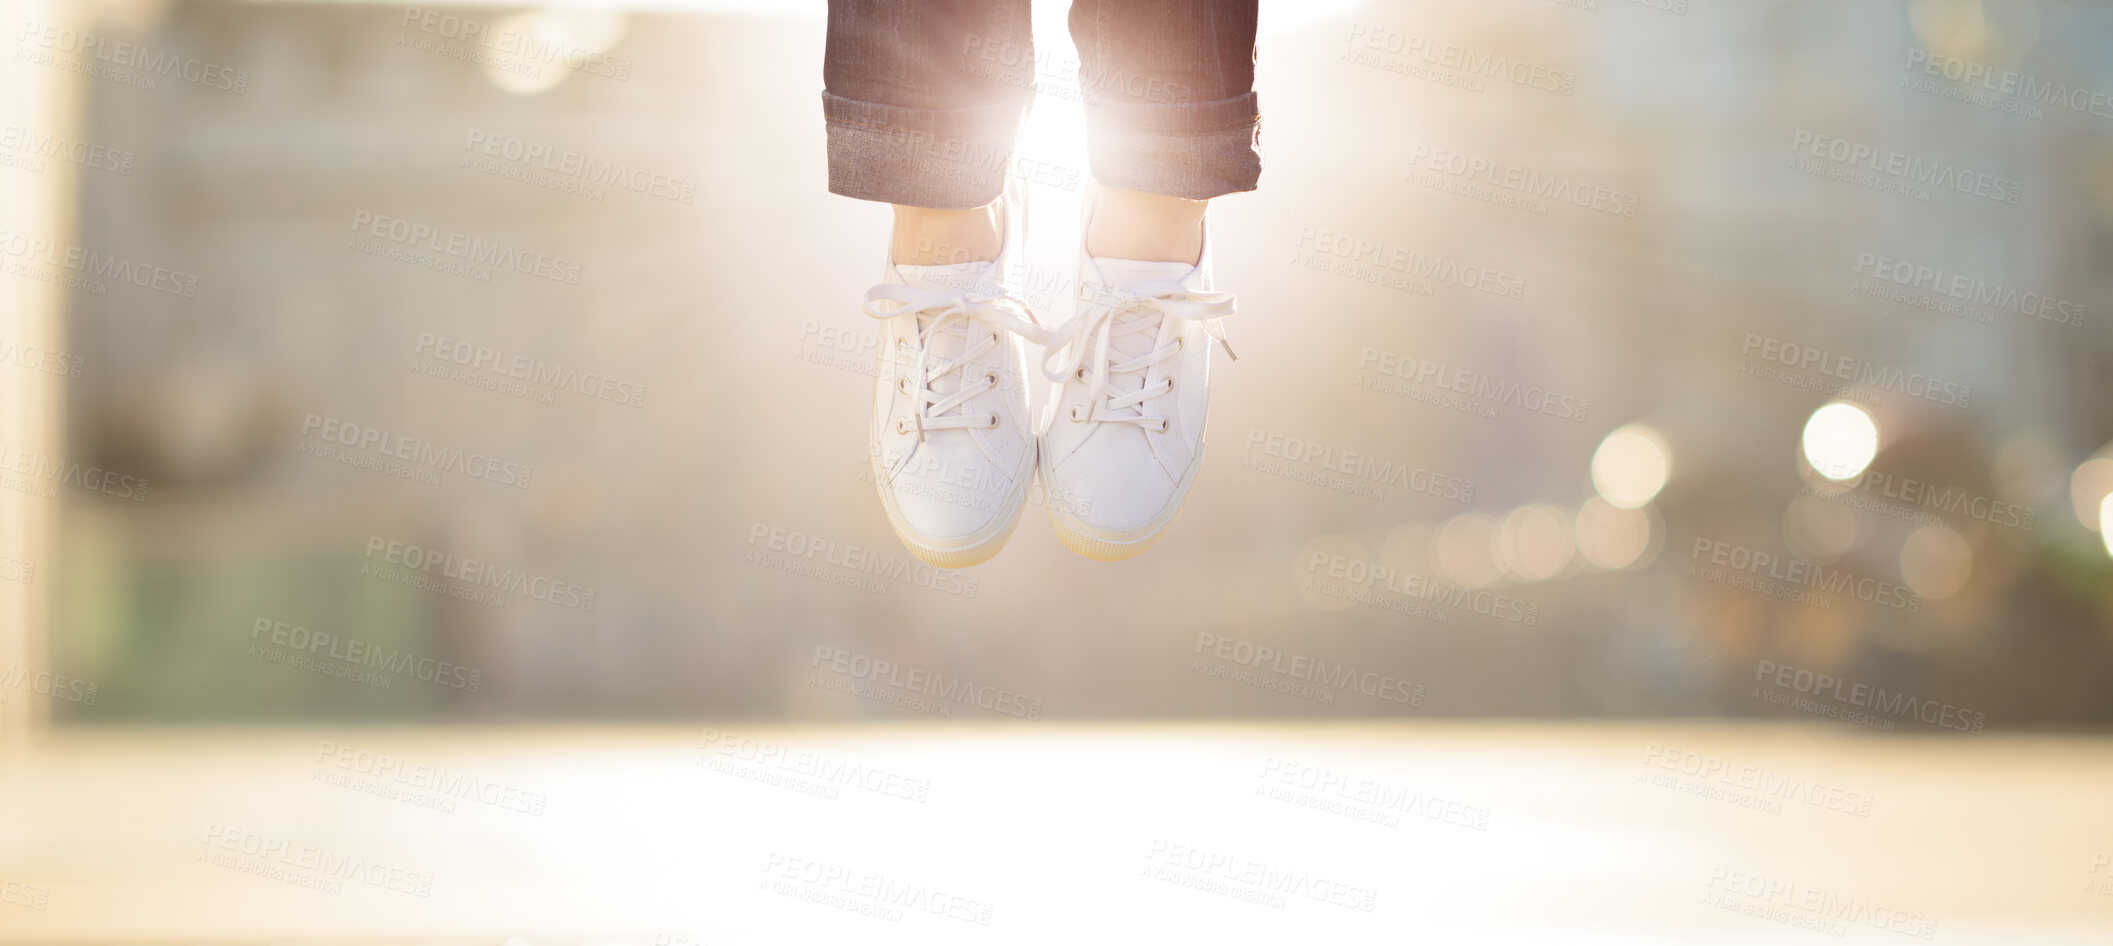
column 1611, row 537
column 1819, row 530
column 1534, row 542
column 1465, row 550
column 1956, row 28
column 1935, row 561
column 2105, row 508
column 2088, row 488
column 1631, row 466
column 1840, row 440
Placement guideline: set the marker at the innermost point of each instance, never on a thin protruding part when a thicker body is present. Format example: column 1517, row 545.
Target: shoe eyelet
column 1075, row 408
column 903, row 385
column 992, row 377
column 1080, row 374
column 901, row 343
column 900, row 427
column 1162, row 425
column 993, row 425
column 994, row 338
column 1177, row 343
column 1170, row 386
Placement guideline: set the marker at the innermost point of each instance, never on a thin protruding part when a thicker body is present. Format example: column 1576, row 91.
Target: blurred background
column 1687, row 261
column 1649, row 362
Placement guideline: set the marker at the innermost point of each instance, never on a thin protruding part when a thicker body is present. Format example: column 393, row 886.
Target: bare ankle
column 926, row 236
column 1137, row 225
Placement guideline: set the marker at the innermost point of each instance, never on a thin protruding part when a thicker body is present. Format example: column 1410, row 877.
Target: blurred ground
column 1461, row 834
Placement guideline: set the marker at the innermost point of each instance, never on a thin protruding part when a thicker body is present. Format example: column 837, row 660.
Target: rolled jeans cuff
column 1196, row 150
column 946, row 158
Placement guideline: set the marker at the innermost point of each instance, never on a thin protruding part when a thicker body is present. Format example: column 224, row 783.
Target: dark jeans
column 924, row 98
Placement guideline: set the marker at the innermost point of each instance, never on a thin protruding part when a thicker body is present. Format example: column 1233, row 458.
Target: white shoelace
column 955, row 314
column 1119, row 312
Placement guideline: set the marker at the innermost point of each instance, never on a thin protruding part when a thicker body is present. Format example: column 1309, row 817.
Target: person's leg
column 1172, row 118
column 923, row 100
column 1170, row 123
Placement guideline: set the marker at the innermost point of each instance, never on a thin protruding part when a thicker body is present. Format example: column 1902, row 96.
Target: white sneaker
column 1122, row 436
column 949, row 443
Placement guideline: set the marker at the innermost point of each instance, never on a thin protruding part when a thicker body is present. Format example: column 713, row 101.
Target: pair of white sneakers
column 1119, row 439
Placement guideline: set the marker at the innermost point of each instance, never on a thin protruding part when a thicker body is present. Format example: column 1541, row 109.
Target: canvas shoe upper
column 950, row 444
column 1122, row 435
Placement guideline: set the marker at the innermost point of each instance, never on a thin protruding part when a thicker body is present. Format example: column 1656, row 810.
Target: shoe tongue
column 1130, row 274
column 953, row 279
column 948, row 277
column 1136, row 272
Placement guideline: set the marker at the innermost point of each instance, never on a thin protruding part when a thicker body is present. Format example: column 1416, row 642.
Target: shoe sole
column 980, row 548
column 1105, row 550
